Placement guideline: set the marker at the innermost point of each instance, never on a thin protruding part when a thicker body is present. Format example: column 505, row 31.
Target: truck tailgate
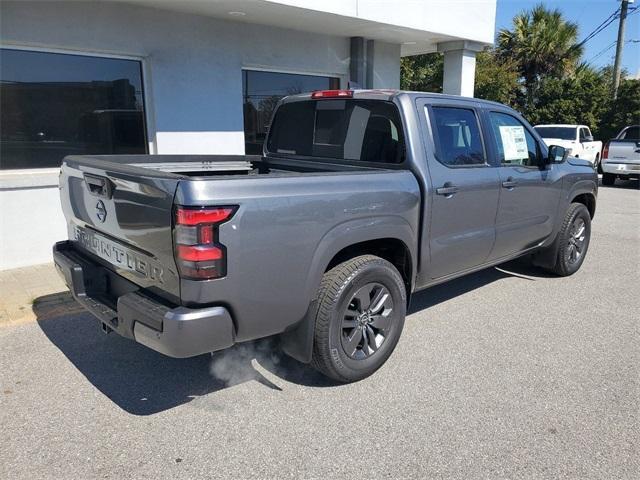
column 122, row 215
column 624, row 151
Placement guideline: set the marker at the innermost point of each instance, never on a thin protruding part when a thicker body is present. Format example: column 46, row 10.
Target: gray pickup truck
column 360, row 199
column 621, row 156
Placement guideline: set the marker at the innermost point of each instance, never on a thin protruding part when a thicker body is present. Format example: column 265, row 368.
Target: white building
column 188, row 76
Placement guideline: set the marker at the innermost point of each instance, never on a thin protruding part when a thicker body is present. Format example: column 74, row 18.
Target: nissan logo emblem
column 101, row 211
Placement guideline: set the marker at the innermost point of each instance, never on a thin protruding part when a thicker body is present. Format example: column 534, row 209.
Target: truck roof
column 561, row 125
column 388, row 94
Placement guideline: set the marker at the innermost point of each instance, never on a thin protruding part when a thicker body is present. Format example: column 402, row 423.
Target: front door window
column 516, row 146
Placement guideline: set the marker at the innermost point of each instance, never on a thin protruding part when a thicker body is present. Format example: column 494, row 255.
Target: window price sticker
column 514, row 142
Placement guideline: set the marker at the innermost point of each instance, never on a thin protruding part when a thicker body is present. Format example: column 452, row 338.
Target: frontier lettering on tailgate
column 118, row 255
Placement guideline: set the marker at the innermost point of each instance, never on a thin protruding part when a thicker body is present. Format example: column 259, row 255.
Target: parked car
column 360, row 199
column 577, row 139
column 621, row 156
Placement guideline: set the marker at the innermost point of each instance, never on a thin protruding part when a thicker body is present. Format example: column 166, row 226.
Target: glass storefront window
column 262, row 91
column 54, row 104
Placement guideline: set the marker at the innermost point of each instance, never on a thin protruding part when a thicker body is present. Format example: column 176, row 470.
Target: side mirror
column 588, row 138
column 557, row 154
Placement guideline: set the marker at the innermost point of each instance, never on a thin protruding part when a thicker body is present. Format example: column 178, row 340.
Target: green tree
column 536, row 68
column 581, row 98
column 542, row 44
column 496, row 78
column 623, row 111
column 422, row 73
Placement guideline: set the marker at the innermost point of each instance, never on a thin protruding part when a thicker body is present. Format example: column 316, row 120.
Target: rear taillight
column 605, row 151
column 198, row 251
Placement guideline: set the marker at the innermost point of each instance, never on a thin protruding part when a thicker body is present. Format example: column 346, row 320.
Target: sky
column 588, row 14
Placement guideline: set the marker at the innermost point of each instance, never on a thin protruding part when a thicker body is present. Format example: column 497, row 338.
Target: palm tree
column 541, row 43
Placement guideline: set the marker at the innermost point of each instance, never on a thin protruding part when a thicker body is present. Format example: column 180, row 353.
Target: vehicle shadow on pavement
column 446, row 291
column 144, row 382
column 630, row 184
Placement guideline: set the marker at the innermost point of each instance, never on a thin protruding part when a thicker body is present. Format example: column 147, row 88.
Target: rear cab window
column 561, row 133
column 631, row 133
column 350, row 130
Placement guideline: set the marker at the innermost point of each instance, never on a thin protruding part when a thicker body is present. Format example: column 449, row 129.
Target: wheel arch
column 588, row 200
column 389, row 237
column 394, row 250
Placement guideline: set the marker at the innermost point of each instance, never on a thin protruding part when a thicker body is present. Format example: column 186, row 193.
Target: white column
column 459, row 66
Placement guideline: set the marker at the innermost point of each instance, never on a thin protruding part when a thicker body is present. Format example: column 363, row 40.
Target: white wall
column 30, row 219
column 386, row 60
column 192, row 80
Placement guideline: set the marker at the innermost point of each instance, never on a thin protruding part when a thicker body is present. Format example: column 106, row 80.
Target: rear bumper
column 626, row 169
column 178, row 332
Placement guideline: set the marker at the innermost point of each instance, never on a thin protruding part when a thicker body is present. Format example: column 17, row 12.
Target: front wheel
column 573, row 240
column 359, row 317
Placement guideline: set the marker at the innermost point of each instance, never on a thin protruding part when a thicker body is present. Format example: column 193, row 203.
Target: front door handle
column 509, row 183
column 447, row 190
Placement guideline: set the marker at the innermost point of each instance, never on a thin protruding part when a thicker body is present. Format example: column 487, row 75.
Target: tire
column 573, row 240
column 608, row 179
column 352, row 339
column 597, row 164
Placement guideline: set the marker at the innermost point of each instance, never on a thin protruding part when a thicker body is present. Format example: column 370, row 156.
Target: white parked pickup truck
column 621, row 156
column 577, row 139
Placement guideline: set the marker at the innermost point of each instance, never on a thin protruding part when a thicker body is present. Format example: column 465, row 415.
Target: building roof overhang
column 417, row 25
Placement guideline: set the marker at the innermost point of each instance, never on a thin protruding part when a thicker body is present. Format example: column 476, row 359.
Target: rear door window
column 457, row 137
column 342, row 129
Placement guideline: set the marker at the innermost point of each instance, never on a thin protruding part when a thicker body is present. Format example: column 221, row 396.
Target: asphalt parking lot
column 508, row 373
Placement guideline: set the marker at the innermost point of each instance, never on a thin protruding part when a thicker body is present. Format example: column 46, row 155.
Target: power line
column 606, row 22
column 602, row 52
column 609, row 47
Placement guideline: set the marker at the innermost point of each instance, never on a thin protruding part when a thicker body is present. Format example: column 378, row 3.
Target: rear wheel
column 359, row 318
column 573, row 240
column 608, row 179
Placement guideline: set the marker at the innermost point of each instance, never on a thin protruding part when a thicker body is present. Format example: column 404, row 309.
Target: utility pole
column 619, row 46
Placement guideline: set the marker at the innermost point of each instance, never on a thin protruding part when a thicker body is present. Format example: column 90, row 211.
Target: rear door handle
column 447, row 190
column 509, row 183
